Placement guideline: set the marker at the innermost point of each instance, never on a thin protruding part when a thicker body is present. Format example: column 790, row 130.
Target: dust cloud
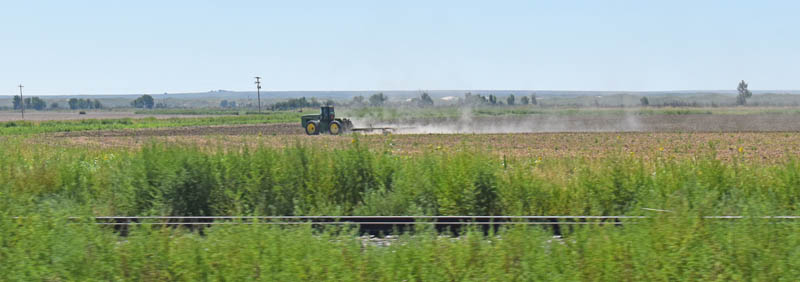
column 467, row 122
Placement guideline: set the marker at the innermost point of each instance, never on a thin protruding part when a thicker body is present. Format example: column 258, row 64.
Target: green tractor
column 326, row 122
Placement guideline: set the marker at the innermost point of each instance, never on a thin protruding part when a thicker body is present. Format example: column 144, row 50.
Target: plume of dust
column 467, row 122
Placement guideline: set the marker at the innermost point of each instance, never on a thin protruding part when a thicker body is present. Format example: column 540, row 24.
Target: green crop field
column 48, row 126
column 188, row 112
column 43, row 184
column 56, row 175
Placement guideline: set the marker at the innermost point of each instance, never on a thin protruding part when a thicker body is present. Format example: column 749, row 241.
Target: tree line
column 478, row 99
column 741, row 98
column 36, row 103
column 425, row 100
column 299, row 103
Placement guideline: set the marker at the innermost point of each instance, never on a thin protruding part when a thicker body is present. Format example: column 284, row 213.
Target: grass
column 661, row 249
column 33, row 127
column 45, row 184
column 188, row 112
column 164, row 179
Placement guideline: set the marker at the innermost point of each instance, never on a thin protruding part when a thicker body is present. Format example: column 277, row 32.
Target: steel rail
column 402, row 219
column 376, row 217
column 377, row 225
column 363, row 223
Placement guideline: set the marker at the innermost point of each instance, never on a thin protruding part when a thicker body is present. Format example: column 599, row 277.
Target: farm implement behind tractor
column 326, row 122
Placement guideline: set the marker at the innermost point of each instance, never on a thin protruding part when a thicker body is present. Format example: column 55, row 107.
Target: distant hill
column 225, row 94
column 553, row 97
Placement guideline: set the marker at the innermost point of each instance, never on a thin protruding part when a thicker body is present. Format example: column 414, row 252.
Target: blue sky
column 131, row 47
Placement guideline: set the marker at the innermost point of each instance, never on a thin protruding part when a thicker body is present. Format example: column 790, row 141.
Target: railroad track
column 388, row 224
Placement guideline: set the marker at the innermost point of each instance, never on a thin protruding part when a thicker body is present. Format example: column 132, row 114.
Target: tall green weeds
column 679, row 247
column 164, row 179
column 41, row 186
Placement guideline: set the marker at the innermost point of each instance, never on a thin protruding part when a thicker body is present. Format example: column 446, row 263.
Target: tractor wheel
column 312, row 128
column 335, row 128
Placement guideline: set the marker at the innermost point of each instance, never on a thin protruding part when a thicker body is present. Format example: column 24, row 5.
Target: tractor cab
column 327, row 114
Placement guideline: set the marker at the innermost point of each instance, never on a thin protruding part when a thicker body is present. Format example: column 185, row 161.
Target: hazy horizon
column 389, row 92
column 117, row 48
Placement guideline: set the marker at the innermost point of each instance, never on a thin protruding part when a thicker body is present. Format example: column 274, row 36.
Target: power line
column 21, row 101
column 258, row 89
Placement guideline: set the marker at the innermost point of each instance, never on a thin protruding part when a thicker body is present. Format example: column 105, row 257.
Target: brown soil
column 527, row 124
column 763, row 138
column 607, row 123
column 749, row 146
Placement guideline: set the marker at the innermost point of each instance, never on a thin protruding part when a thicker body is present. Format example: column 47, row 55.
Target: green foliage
column 32, row 127
column 524, row 100
column 31, row 103
column 75, row 104
column 227, row 104
column 744, row 94
column 177, row 180
column 425, row 100
column 476, row 99
column 188, row 112
column 50, row 247
column 143, row 102
column 376, row 99
column 297, row 103
column 358, row 101
column 353, row 175
column 41, row 186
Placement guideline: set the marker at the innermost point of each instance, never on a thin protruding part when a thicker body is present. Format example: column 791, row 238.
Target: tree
column 145, row 101
column 54, row 105
column 644, row 101
column 223, row 104
column 743, row 93
column 425, row 100
column 524, row 100
column 16, row 102
column 35, row 103
column 73, row 103
column 358, row 100
column 301, row 102
column 492, row 99
column 533, row 100
column 377, row 99
column 474, row 99
column 510, row 100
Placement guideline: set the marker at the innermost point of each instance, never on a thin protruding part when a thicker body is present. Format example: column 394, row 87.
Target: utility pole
column 21, row 101
column 258, row 89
